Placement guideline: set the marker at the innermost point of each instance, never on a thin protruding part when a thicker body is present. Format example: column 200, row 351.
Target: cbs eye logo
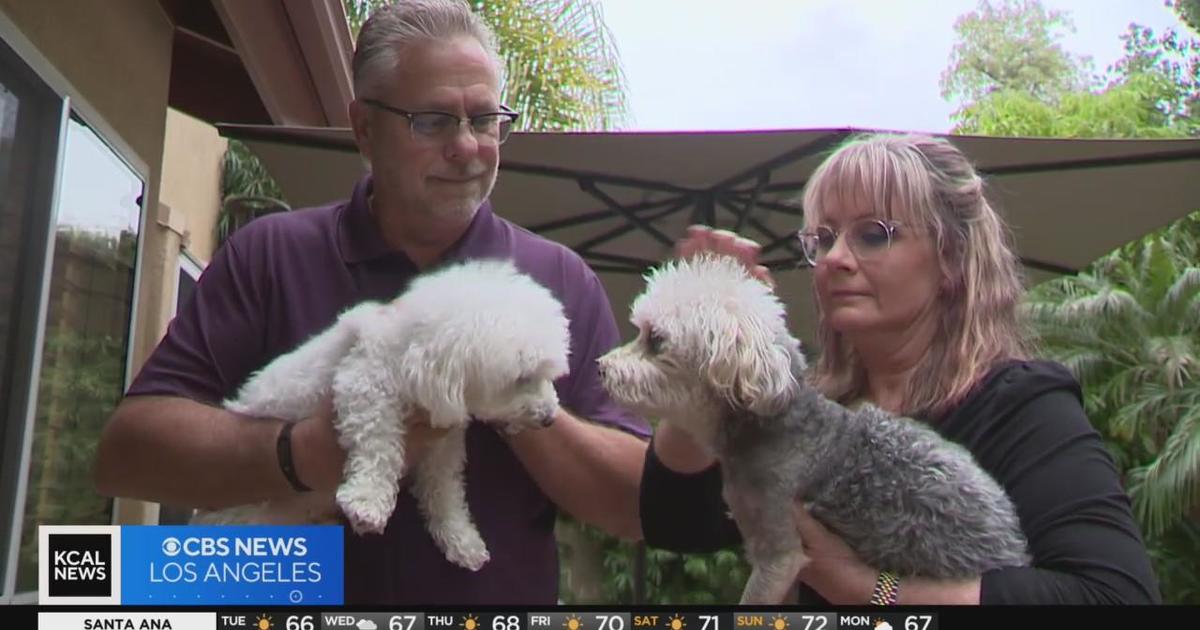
column 171, row 547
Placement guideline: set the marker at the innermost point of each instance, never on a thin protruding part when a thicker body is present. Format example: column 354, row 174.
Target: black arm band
column 283, row 449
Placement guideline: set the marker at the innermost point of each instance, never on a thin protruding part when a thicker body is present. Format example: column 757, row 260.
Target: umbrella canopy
column 622, row 199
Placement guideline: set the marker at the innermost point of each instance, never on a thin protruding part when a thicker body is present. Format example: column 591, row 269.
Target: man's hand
column 320, row 459
column 702, row 238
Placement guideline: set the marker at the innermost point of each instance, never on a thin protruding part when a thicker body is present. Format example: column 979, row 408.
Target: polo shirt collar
column 359, row 239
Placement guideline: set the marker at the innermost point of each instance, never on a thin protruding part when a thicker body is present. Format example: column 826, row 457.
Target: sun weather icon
column 882, row 625
column 779, row 623
column 470, row 622
column 676, row 622
column 573, row 622
column 263, row 622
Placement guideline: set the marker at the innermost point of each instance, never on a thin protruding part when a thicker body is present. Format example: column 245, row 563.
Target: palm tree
column 247, row 190
column 1129, row 328
column 563, row 70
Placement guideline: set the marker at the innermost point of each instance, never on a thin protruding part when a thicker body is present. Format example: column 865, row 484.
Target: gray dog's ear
column 437, row 385
column 749, row 366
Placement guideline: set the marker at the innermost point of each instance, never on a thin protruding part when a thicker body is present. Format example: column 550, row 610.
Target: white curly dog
column 476, row 339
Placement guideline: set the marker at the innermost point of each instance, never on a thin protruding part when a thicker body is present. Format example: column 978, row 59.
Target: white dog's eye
column 654, row 342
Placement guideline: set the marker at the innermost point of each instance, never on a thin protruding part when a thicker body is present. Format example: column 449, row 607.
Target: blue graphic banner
column 232, row 565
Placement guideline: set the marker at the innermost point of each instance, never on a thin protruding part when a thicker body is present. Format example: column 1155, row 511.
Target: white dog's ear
column 749, row 367
column 437, row 386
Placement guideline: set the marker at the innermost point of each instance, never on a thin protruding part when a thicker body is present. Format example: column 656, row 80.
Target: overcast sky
column 770, row 64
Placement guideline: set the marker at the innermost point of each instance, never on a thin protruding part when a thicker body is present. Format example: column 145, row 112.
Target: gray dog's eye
column 654, row 342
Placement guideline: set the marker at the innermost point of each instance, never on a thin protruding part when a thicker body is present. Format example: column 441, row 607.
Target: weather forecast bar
column 248, row 619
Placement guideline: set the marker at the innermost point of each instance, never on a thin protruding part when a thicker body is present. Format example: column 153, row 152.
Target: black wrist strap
column 283, row 449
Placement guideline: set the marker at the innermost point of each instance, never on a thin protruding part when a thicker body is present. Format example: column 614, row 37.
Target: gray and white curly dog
column 714, row 357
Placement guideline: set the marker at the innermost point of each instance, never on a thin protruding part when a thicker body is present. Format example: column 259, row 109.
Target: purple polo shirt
column 285, row 277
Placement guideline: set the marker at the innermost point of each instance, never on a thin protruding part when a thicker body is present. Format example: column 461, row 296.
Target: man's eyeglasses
column 866, row 238
column 490, row 129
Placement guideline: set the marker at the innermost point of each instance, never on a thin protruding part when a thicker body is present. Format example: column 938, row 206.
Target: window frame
column 18, row 414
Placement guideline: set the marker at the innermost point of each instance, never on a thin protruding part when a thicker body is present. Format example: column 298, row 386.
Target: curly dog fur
column 715, row 358
column 476, row 339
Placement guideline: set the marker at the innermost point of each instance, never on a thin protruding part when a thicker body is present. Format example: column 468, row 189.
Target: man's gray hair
column 397, row 25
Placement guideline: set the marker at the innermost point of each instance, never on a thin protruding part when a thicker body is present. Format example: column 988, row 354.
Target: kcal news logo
column 190, row 565
column 79, row 564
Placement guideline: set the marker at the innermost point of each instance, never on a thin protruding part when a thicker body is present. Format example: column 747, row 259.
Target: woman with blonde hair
column 917, row 290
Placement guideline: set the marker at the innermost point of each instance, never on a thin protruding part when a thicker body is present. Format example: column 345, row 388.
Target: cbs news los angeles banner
column 158, row 577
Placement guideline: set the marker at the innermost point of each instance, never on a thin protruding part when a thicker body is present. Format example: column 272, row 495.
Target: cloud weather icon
column 366, row 624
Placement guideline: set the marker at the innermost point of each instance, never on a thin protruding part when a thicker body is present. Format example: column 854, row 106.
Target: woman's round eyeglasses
column 489, row 129
column 867, row 238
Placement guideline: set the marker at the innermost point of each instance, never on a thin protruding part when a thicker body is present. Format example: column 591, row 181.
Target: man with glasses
column 428, row 119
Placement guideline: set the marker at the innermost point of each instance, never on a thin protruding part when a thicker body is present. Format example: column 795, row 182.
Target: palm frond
column 563, row 70
column 1176, row 356
column 1183, row 296
column 1144, row 408
column 1168, row 488
column 1112, row 304
column 1158, row 269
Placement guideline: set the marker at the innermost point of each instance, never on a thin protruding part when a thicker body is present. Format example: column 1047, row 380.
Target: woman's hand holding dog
column 320, row 459
column 702, row 238
column 833, row 570
column 837, row 574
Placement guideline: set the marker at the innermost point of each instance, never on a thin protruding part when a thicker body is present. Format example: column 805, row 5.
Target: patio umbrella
column 622, row 199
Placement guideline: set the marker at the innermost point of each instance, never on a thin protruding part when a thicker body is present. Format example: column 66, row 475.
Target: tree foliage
column 1128, row 326
column 1189, row 12
column 1012, row 45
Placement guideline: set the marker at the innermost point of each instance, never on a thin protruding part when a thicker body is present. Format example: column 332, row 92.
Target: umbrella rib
column 758, row 225
column 622, row 260
column 596, row 216
column 602, row 268
column 586, row 246
column 787, row 157
column 775, row 206
column 763, row 180
column 1150, row 158
column 785, row 264
column 589, row 187
column 1042, row 265
column 587, row 176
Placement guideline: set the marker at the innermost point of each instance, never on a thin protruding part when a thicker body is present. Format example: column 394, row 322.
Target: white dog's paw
column 460, row 542
column 368, row 513
column 469, row 554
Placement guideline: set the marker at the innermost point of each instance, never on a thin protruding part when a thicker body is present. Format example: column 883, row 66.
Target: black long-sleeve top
column 1025, row 425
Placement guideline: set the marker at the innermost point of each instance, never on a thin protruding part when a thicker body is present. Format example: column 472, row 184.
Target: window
column 86, row 338
column 31, row 120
